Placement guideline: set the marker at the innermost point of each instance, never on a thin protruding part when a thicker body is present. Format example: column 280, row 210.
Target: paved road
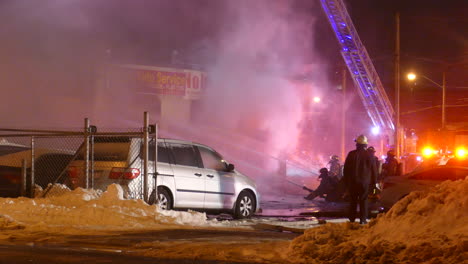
column 20, row 254
column 118, row 247
column 295, row 207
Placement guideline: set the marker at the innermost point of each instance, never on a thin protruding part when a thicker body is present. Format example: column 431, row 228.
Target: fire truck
column 434, row 148
column 444, row 145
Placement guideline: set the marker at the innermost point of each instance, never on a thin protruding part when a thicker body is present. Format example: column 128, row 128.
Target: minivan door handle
column 210, row 175
column 198, row 174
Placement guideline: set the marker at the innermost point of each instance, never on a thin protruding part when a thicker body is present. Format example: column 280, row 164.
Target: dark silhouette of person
column 375, row 190
column 372, row 151
column 360, row 173
column 335, row 167
column 390, row 166
column 327, row 185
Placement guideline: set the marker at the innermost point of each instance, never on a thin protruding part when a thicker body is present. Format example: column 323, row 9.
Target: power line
column 431, row 107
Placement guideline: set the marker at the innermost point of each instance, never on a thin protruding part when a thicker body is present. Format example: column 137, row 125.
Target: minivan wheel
column 164, row 199
column 245, row 205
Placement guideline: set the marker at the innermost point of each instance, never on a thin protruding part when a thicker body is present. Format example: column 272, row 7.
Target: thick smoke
column 262, row 67
column 262, row 80
column 250, row 91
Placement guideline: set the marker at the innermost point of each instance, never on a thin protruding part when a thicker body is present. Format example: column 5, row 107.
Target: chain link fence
column 32, row 162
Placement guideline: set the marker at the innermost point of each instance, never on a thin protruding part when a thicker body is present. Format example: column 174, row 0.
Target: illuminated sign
column 167, row 81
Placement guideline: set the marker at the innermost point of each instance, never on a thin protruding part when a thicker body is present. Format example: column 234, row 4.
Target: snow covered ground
column 424, row 227
column 74, row 211
column 58, row 218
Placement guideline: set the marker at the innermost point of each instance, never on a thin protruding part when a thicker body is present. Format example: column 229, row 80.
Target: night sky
column 434, row 38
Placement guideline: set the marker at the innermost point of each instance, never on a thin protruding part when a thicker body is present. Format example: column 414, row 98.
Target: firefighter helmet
column 361, row 139
column 323, row 170
column 334, row 157
column 371, row 149
column 391, row 153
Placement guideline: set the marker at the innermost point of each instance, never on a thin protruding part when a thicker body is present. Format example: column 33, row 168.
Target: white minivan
column 189, row 175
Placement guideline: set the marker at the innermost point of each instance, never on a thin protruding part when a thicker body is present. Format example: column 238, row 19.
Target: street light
column 316, row 99
column 375, row 130
column 412, row 77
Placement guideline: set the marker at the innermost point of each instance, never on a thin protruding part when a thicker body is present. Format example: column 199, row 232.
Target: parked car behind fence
column 48, row 164
column 189, row 175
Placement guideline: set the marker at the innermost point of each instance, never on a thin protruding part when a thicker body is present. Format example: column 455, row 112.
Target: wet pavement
column 290, row 213
column 296, row 206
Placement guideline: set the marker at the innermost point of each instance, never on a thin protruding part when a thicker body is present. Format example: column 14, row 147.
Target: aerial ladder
column 360, row 67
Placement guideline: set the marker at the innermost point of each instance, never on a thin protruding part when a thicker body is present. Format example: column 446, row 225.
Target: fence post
column 86, row 154
column 24, row 178
column 145, row 155
column 155, row 175
column 31, row 186
column 91, row 154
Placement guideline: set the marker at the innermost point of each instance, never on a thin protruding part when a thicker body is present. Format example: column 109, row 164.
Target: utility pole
column 397, row 86
column 343, row 114
column 443, row 100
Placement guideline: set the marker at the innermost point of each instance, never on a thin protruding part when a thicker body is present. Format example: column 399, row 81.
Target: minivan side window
column 211, row 159
column 184, row 154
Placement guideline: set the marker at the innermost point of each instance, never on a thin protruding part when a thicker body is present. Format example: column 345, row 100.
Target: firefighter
column 335, row 167
column 390, row 166
column 372, row 151
column 375, row 190
column 359, row 174
column 327, row 185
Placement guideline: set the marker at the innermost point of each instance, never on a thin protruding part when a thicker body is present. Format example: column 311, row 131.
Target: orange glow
column 461, row 153
column 428, row 151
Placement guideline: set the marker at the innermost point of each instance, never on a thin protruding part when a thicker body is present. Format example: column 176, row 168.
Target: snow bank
column 424, row 227
column 88, row 209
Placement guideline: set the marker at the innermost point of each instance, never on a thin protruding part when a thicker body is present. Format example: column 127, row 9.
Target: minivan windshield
column 5, row 150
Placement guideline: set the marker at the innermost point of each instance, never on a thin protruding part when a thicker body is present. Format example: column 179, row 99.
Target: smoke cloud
column 263, row 71
column 250, row 89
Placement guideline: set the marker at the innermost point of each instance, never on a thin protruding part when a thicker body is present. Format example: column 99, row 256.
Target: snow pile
column 67, row 210
column 424, row 227
column 58, row 190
